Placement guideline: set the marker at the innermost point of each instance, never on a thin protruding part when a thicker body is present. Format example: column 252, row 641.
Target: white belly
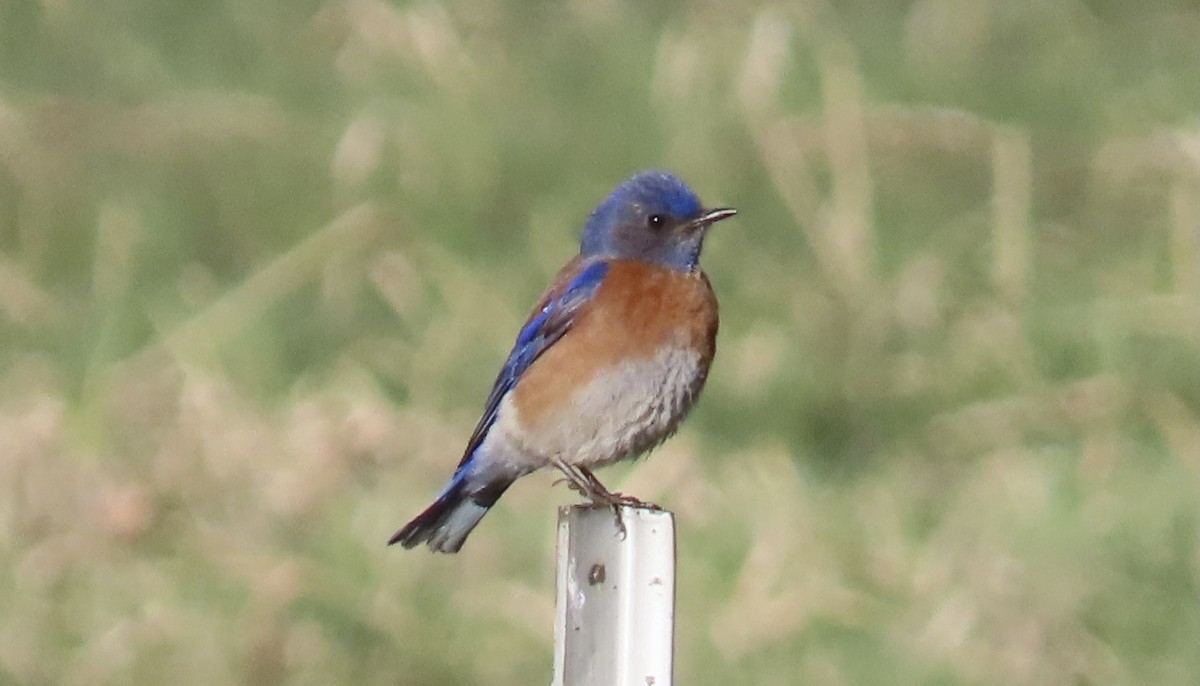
column 618, row 414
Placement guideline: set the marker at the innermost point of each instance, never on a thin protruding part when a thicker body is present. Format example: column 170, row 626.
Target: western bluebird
column 610, row 361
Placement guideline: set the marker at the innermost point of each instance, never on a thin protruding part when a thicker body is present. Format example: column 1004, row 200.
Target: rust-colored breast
column 637, row 310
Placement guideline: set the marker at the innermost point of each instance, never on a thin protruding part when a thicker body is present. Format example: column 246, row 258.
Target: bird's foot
column 600, row 495
column 618, row 499
column 582, row 481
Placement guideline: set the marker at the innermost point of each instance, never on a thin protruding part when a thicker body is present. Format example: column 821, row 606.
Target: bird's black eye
column 656, row 221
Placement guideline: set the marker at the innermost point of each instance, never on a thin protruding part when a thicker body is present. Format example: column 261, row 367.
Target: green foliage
column 259, row 262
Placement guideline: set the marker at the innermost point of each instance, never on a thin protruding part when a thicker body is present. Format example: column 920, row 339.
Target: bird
column 609, row 362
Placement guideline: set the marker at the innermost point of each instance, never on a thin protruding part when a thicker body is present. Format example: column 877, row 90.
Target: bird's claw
column 617, row 499
column 582, row 481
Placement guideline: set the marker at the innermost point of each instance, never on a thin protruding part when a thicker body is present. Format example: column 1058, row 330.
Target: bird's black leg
column 583, row 481
column 603, row 495
column 575, row 480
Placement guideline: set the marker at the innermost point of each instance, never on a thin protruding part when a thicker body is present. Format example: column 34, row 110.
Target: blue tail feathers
column 445, row 524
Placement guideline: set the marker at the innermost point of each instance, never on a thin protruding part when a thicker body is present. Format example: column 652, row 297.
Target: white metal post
column 615, row 615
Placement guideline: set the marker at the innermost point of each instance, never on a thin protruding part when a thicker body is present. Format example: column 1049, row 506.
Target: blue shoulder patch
column 539, row 333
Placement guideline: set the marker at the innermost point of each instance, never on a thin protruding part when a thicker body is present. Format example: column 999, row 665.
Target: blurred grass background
column 259, row 261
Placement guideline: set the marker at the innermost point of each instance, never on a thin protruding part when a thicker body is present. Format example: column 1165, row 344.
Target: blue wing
column 553, row 317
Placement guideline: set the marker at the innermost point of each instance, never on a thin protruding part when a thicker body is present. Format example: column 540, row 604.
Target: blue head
column 651, row 217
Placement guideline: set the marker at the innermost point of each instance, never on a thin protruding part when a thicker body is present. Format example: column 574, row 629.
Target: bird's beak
column 712, row 217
